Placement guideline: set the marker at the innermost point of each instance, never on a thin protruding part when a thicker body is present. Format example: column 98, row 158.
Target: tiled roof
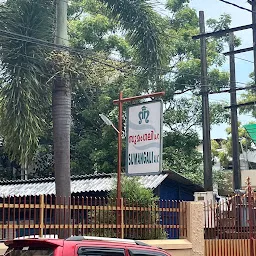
column 84, row 183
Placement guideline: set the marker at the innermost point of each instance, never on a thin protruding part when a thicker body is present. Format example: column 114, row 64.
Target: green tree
column 91, row 24
column 181, row 138
column 248, row 96
column 223, row 150
column 181, row 115
column 25, row 92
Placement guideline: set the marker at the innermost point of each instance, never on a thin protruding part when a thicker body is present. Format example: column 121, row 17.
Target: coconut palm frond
column 24, row 94
column 144, row 27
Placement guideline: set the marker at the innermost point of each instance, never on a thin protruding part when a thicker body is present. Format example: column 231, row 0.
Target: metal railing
column 47, row 215
column 230, row 225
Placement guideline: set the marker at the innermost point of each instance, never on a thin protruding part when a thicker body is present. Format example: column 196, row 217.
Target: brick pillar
column 195, row 227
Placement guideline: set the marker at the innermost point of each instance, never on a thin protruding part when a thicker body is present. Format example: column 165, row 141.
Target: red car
column 81, row 246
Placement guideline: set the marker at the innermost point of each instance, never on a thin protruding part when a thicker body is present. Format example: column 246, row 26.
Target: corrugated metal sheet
column 83, row 184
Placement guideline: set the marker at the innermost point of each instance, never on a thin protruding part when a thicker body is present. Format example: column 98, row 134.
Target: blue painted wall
column 171, row 190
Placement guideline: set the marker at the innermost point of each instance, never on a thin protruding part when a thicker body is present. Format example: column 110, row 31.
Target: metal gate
column 229, row 247
column 230, row 225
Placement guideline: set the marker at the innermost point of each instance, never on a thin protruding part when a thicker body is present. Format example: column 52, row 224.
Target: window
column 134, row 252
column 29, row 251
column 85, row 251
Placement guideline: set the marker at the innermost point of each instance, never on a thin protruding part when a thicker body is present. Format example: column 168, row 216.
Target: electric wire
column 85, row 76
column 130, row 23
column 193, row 87
column 87, row 54
column 178, row 37
column 80, row 76
column 244, row 60
column 235, row 5
column 56, row 46
column 239, row 58
column 111, row 53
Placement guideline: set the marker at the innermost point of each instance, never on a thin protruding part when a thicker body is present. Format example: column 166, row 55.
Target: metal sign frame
column 160, row 142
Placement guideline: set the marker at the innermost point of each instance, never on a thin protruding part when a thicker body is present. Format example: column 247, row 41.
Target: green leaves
column 24, row 92
column 181, row 155
column 248, row 96
column 223, row 150
column 184, row 19
column 176, row 5
column 163, row 55
column 144, row 29
column 183, row 114
column 89, row 30
column 134, row 193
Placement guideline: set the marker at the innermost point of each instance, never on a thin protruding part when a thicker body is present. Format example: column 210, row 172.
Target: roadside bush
column 141, row 216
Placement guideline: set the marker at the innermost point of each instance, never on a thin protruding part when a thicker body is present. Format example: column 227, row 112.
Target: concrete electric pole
column 208, row 184
column 234, row 119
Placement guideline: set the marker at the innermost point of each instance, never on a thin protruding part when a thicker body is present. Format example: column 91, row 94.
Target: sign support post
column 120, row 102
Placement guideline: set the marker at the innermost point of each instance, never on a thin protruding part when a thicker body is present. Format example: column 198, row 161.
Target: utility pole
column 208, row 186
column 253, row 3
column 234, row 120
column 234, row 106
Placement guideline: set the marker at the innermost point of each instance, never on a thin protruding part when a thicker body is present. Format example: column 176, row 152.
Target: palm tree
column 25, row 92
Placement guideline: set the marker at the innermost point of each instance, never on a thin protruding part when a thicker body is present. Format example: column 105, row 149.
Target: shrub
column 140, row 215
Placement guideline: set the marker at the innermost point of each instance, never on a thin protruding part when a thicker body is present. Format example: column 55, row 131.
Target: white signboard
column 144, row 138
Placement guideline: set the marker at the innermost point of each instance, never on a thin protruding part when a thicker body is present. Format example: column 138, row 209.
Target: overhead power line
column 244, row 59
column 86, row 53
column 235, row 5
column 41, row 42
column 242, row 104
column 90, row 54
column 19, row 25
column 81, row 76
column 33, row 29
column 229, row 90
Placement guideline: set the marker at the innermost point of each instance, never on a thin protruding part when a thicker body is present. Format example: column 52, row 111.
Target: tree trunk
column 24, row 172
column 61, row 112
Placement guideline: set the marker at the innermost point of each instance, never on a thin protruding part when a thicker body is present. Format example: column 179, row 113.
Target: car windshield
column 29, row 251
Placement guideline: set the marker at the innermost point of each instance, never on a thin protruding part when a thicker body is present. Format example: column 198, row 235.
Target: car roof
column 110, row 242
column 93, row 243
